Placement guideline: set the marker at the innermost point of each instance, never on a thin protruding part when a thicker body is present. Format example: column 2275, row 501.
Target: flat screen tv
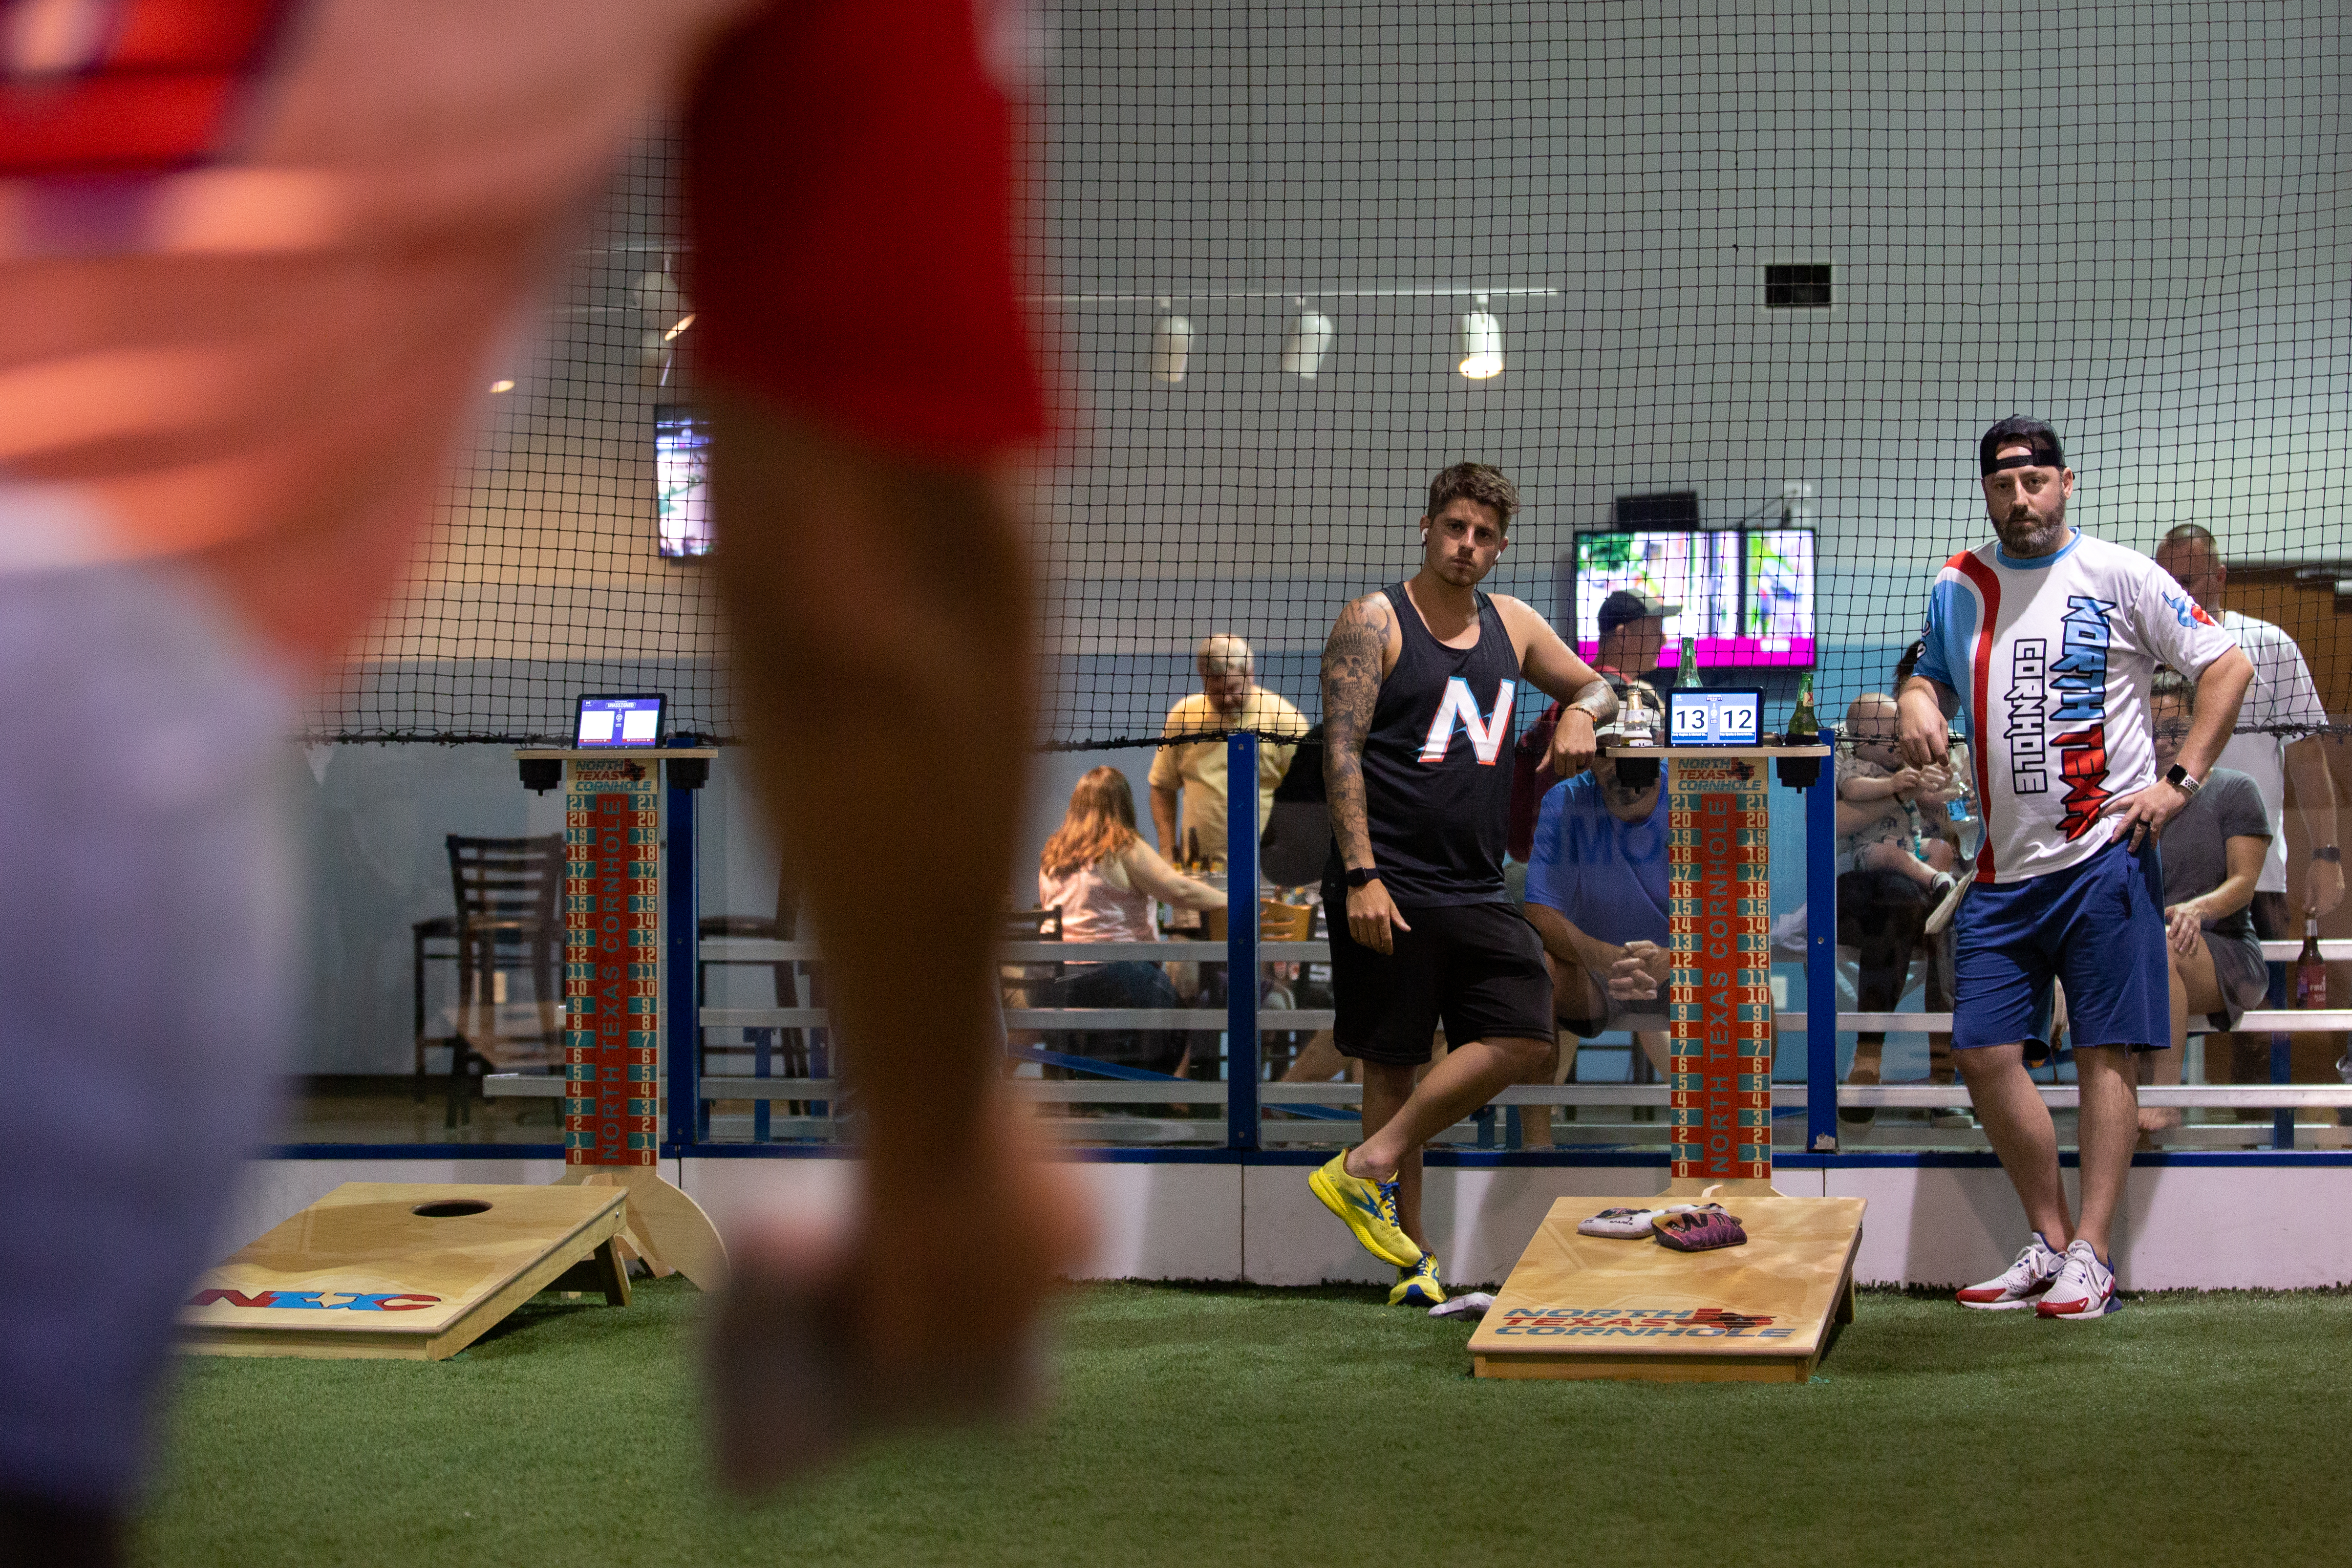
column 1746, row 595
column 1679, row 566
column 682, row 481
column 1776, row 596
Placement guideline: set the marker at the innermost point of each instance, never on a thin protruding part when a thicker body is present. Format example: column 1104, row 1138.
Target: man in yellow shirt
column 1230, row 699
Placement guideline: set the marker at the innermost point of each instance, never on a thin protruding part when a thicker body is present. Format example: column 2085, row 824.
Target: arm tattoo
column 1597, row 700
column 1351, row 682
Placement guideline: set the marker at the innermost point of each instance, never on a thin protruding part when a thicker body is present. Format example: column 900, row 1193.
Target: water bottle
column 1804, row 728
column 2310, row 968
column 1961, row 809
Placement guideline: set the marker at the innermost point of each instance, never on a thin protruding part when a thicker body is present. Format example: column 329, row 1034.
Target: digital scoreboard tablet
column 1714, row 716
column 619, row 718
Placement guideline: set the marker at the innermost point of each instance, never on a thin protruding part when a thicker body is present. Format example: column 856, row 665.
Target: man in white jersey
column 2049, row 640
column 2282, row 695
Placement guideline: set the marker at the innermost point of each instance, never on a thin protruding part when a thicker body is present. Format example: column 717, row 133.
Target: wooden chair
column 793, row 1053
column 781, row 926
column 1285, row 922
column 509, row 894
column 1278, row 921
column 431, row 941
column 1028, row 985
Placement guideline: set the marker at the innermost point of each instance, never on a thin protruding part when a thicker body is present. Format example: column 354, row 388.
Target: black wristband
column 1358, row 876
column 2329, row 853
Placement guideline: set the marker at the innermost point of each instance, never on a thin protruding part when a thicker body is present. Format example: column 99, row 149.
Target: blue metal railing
column 1241, row 942
column 1821, row 952
column 1243, row 1019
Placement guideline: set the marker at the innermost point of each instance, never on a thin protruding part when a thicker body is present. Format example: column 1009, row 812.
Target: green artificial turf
column 1210, row 1425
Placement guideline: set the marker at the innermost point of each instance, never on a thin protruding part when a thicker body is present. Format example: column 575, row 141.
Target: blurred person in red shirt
column 255, row 258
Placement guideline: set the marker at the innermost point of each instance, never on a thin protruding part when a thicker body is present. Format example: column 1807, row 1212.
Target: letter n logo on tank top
column 1487, row 735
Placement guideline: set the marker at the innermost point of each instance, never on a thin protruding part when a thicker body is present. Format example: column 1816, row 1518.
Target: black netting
column 545, row 577
column 1786, row 261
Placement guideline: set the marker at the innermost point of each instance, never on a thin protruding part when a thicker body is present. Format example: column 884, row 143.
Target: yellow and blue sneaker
column 1418, row 1285
column 1370, row 1210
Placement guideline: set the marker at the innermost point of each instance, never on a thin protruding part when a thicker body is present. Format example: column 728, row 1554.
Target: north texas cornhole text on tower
column 1720, row 915
column 612, row 968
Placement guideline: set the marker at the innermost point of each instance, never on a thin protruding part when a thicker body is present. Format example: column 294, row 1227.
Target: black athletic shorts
column 1479, row 968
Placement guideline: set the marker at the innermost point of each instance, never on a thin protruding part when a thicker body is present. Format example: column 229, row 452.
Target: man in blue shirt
column 1597, row 896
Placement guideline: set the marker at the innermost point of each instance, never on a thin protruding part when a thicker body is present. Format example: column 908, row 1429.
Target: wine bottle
column 1803, row 728
column 2310, row 969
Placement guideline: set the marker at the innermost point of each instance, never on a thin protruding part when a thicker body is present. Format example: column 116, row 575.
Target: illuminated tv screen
column 1746, row 596
column 1676, row 566
column 1776, row 596
column 682, row 481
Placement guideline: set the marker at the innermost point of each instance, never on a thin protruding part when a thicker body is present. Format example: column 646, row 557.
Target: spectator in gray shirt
column 2213, row 854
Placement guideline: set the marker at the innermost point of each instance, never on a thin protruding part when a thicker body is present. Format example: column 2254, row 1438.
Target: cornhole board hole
column 406, row 1269
column 1588, row 1306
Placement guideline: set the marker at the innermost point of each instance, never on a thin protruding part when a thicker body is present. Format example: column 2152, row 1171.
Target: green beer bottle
column 1686, row 667
column 1803, row 728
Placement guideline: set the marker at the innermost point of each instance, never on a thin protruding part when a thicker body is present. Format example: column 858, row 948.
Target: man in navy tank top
column 1419, row 682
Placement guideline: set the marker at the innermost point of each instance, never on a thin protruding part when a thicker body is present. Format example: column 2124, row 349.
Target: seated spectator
column 1886, row 887
column 1103, row 878
column 2282, row 700
column 1633, row 634
column 1597, row 875
column 2212, row 856
column 1889, row 797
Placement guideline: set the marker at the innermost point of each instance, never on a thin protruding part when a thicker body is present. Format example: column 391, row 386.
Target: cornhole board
column 406, row 1269
column 1591, row 1307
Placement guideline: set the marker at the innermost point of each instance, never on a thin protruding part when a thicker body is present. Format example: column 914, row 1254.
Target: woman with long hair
column 1097, row 870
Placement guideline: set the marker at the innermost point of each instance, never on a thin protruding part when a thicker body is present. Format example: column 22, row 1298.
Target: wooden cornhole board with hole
column 408, row 1271
column 1593, row 1306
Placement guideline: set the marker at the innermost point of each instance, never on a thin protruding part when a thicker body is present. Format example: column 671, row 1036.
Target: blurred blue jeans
column 147, row 975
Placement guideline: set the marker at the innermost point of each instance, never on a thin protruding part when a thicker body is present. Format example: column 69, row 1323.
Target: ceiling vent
column 1801, row 286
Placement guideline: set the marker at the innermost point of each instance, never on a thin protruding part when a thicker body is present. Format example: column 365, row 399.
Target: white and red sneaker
column 2085, row 1288
column 2022, row 1284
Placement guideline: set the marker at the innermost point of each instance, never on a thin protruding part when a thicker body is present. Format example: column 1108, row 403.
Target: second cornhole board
column 1593, row 1306
column 404, row 1270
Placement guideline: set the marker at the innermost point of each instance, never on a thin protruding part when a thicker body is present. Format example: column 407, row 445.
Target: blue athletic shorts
column 2097, row 926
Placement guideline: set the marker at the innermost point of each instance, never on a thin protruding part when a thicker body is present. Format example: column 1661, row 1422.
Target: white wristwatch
column 2180, row 779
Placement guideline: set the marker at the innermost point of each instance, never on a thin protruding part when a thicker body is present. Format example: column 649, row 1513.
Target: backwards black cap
column 1631, row 605
column 2020, row 429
